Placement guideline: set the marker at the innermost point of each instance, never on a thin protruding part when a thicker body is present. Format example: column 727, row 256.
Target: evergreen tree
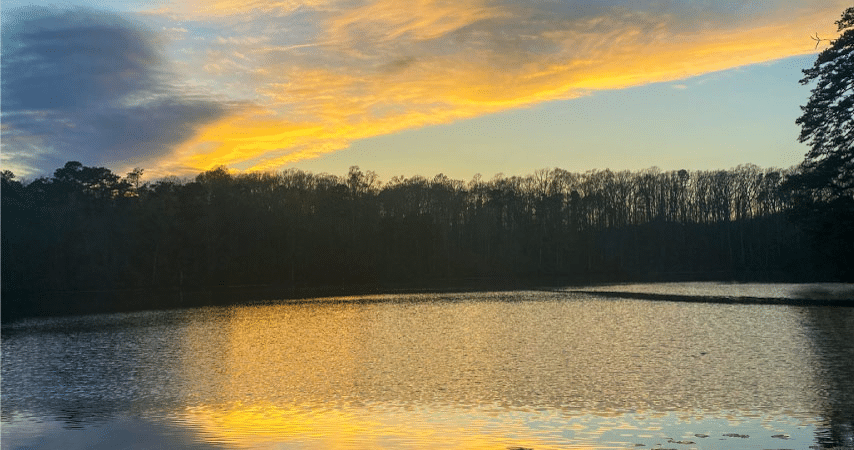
column 827, row 123
column 824, row 187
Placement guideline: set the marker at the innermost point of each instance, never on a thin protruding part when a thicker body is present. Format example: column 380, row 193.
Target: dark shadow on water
column 808, row 297
column 818, row 292
column 58, row 304
column 111, row 433
column 831, row 331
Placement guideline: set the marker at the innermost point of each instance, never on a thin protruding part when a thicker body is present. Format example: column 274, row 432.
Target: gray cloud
column 90, row 86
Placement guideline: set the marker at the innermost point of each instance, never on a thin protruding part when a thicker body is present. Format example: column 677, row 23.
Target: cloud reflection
column 490, row 371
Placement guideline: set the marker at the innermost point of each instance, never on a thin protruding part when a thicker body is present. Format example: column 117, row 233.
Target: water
column 541, row 370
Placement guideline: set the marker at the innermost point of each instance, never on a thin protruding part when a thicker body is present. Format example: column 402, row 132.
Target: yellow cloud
column 197, row 9
column 415, row 19
column 388, row 66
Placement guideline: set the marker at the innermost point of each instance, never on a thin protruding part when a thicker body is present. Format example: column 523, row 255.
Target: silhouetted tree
column 827, row 123
column 295, row 229
column 824, row 186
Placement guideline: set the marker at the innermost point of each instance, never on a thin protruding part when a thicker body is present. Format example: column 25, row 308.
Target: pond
column 500, row 370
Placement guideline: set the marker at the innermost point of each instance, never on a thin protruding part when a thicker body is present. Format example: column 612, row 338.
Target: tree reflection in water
column 832, row 329
column 529, row 369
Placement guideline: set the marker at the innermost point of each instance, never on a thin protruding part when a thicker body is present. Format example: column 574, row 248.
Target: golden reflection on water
column 481, row 371
column 264, row 425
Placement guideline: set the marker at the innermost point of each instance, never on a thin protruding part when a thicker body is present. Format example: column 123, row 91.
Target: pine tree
column 827, row 123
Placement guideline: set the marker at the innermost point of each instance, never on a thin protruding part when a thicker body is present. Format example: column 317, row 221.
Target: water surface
column 538, row 370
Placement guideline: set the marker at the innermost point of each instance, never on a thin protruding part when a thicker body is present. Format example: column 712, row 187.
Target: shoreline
column 845, row 301
column 70, row 303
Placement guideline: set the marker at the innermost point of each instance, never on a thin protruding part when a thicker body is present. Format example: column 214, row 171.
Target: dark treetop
column 87, row 234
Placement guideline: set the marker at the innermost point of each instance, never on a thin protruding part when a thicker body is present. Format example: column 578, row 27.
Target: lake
column 491, row 370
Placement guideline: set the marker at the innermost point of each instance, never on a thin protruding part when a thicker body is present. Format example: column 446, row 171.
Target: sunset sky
column 406, row 87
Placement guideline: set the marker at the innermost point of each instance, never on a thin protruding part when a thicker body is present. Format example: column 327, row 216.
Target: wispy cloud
column 321, row 74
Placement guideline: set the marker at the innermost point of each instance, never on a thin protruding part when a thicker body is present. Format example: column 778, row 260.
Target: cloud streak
column 315, row 76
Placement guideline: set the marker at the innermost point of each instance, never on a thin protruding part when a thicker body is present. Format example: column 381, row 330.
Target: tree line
column 87, row 229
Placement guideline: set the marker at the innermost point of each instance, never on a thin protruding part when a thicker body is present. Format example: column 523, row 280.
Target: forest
column 86, row 230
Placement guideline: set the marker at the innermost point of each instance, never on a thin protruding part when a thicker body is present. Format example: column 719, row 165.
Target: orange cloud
column 419, row 20
column 198, row 9
column 387, row 66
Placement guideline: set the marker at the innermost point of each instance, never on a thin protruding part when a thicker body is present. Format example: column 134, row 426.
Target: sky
column 406, row 87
